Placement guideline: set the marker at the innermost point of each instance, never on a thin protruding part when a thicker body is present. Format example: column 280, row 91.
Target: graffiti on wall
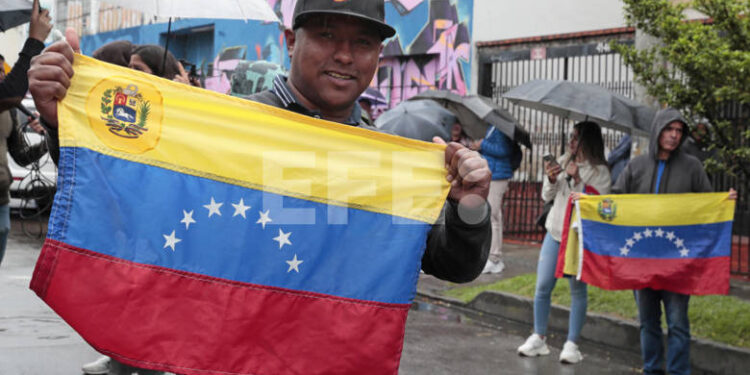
column 432, row 53
column 436, row 58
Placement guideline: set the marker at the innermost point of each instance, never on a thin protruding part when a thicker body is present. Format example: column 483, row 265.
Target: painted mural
column 431, row 50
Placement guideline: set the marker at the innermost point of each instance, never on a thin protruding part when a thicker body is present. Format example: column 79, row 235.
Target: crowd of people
column 334, row 55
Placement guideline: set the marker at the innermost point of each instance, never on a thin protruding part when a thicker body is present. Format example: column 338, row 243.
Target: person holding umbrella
column 582, row 168
column 497, row 149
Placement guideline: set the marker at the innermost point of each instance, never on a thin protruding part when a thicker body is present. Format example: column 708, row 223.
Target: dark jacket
column 15, row 85
column 456, row 251
column 12, row 141
column 497, row 149
column 683, row 173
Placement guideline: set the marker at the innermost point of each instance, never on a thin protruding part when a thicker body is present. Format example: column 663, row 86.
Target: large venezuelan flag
column 675, row 242
column 202, row 234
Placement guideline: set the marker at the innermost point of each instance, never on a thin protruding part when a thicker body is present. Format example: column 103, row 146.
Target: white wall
column 510, row 19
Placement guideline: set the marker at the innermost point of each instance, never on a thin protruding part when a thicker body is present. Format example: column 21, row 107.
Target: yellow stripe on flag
column 657, row 209
column 142, row 118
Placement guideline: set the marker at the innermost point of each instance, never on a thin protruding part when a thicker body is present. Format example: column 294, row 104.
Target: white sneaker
column 570, row 353
column 497, row 267
column 492, row 267
column 534, row 346
column 100, row 366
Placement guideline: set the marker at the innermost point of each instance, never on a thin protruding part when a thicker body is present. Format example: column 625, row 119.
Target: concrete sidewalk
column 603, row 335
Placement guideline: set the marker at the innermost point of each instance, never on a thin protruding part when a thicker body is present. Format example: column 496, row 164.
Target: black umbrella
column 476, row 113
column 421, row 120
column 14, row 13
column 581, row 102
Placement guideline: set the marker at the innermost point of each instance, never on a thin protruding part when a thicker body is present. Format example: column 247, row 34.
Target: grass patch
column 723, row 319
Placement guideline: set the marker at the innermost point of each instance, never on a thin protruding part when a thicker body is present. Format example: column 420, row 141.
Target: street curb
column 618, row 335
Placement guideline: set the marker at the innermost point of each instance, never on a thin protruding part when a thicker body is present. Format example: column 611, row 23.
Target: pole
column 166, row 49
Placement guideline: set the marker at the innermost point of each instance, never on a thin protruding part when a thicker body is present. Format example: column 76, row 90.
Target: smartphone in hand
column 549, row 158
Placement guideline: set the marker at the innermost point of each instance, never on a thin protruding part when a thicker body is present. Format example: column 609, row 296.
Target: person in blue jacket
column 497, row 149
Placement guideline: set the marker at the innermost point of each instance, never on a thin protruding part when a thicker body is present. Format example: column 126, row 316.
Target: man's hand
column 50, row 74
column 40, row 25
column 468, row 175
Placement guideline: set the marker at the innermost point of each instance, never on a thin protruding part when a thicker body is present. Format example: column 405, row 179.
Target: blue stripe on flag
column 666, row 242
column 159, row 217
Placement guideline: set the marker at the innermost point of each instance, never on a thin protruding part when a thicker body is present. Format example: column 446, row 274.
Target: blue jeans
column 4, row 229
column 678, row 331
column 545, row 283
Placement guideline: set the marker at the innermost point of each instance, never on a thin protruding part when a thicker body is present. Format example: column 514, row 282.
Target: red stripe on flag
column 168, row 320
column 696, row 276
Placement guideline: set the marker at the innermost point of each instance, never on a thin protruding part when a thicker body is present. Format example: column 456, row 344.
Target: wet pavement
column 35, row 341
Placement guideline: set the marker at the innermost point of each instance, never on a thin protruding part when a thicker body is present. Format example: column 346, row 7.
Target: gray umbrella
column 421, row 120
column 476, row 113
column 14, row 13
column 581, row 101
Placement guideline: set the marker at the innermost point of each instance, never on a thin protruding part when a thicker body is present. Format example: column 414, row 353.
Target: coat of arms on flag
column 675, row 242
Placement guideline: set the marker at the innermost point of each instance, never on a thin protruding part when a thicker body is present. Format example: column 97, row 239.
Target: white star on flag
column 624, row 250
column 659, row 233
column 294, row 264
column 213, row 207
column 240, row 208
column 187, row 219
column 670, row 236
column 630, row 242
column 647, row 233
column 283, row 238
column 684, row 252
column 264, row 219
column 637, row 236
column 170, row 240
column 679, row 242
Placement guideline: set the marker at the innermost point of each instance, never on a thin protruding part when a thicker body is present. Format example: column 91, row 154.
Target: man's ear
column 291, row 37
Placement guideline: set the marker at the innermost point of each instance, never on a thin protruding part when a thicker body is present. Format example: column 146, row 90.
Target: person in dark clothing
column 13, row 88
column 334, row 49
column 665, row 169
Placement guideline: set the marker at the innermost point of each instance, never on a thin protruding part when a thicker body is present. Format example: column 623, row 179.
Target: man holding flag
column 334, row 48
column 665, row 169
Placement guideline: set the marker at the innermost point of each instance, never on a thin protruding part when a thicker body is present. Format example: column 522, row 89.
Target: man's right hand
column 49, row 77
column 40, row 25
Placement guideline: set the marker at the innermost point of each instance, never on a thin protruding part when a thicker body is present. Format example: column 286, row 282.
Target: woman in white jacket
column 582, row 168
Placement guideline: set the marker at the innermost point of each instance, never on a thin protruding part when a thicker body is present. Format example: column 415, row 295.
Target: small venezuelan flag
column 675, row 242
column 198, row 233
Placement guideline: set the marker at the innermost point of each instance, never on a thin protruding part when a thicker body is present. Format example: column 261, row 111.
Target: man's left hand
column 468, row 175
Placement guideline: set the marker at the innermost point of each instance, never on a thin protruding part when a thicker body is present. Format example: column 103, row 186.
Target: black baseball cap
column 372, row 11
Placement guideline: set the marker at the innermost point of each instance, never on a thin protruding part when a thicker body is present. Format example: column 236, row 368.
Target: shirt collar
column 289, row 101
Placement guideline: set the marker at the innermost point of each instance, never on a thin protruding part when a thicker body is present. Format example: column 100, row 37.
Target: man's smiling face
column 333, row 61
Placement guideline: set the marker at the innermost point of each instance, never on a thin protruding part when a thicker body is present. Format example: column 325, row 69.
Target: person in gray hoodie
column 665, row 169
